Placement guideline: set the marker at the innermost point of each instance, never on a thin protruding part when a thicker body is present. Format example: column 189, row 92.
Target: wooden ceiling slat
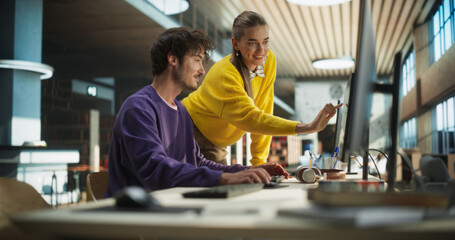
column 407, row 31
column 319, row 26
column 313, row 27
column 392, row 25
column 346, row 26
column 304, row 38
column 355, row 7
column 204, row 7
column 312, row 35
column 338, row 34
column 307, row 33
column 383, row 24
column 231, row 12
column 428, row 5
column 328, row 30
column 282, row 47
column 299, row 34
column 309, row 25
column 335, row 11
column 399, row 22
column 376, row 12
column 294, row 32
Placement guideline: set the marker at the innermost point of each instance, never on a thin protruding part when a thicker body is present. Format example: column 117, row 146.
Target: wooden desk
column 249, row 216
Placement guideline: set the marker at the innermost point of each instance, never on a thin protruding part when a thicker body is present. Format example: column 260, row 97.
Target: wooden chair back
column 16, row 197
column 96, row 185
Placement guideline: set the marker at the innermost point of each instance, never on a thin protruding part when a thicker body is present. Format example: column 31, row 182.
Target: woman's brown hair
column 246, row 19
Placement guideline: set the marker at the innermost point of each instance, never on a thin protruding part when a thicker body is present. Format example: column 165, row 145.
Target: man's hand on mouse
column 273, row 169
column 251, row 175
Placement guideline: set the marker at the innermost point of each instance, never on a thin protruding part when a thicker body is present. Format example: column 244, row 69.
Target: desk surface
column 255, row 215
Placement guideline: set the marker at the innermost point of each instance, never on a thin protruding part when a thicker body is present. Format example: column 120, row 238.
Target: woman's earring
column 237, row 53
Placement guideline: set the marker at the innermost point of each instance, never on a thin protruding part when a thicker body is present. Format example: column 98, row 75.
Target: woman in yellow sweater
column 236, row 97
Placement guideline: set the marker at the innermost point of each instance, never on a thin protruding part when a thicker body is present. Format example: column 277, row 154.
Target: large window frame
column 409, row 73
column 443, row 119
column 408, row 134
column 442, row 30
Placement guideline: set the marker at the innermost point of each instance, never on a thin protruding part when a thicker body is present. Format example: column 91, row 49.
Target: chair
column 15, row 197
column 96, row 185
column 435, row 174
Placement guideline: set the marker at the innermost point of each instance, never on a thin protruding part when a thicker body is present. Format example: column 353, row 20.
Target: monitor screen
column 353, row 129
column 361, row 86
column 342, row 124
column 338, row 127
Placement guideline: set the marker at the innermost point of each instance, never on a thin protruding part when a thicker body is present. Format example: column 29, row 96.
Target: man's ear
column 172, row 59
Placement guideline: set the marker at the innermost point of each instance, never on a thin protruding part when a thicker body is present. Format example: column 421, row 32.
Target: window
column 408, row 134
column 442, row 29
column 444, row 127
column 409, row 73
column 195, row 18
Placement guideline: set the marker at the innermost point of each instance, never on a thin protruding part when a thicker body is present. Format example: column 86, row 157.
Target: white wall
column 310, row 98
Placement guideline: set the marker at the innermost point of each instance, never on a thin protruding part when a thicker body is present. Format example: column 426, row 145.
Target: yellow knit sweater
column 223, row 111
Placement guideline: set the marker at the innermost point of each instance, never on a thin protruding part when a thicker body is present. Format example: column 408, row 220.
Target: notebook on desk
column 411, row 199
column 366, row 217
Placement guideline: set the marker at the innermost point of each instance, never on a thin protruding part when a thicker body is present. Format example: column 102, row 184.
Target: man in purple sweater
column 153, row 142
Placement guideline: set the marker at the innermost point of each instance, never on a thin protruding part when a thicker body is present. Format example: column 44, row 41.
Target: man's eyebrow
column 199, row 55
column 253, row 39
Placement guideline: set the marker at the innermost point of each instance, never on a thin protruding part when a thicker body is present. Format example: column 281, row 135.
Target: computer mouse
column 275, row 182
column 136, row 197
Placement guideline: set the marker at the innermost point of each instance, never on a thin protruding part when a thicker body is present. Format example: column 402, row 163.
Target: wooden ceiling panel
column 299, row 45
column 299, row 34
column 355, row 6
column 408, row 18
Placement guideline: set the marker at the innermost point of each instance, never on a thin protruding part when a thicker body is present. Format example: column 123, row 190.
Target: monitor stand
column 348, row 171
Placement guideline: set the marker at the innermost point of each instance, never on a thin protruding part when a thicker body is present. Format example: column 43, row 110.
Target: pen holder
column 308, row 174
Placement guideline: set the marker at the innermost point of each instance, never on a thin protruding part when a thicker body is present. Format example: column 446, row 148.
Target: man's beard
column 178, row 78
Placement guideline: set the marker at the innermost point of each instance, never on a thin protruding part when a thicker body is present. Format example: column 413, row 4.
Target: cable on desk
column 405, row 157
column 360, row 164
column 417, row 178
column 352, row 156
column 379, row 174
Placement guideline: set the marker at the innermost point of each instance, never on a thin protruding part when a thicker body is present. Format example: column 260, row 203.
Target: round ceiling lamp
column 318, row 2
column 333, row 63
column 45, row 70
column 170, row 7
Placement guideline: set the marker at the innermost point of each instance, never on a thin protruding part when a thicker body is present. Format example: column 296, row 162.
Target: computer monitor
column 359, row 93
column 338, row 126
column 365, row 79
column 355, row 125
column 344, row 122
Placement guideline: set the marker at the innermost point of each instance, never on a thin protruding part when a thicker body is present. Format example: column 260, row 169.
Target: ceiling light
column 318, row 2
column 170, row 7
column 333, row 63
column 46, row 70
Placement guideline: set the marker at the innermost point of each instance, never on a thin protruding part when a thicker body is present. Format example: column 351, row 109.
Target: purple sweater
column 153, row 146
